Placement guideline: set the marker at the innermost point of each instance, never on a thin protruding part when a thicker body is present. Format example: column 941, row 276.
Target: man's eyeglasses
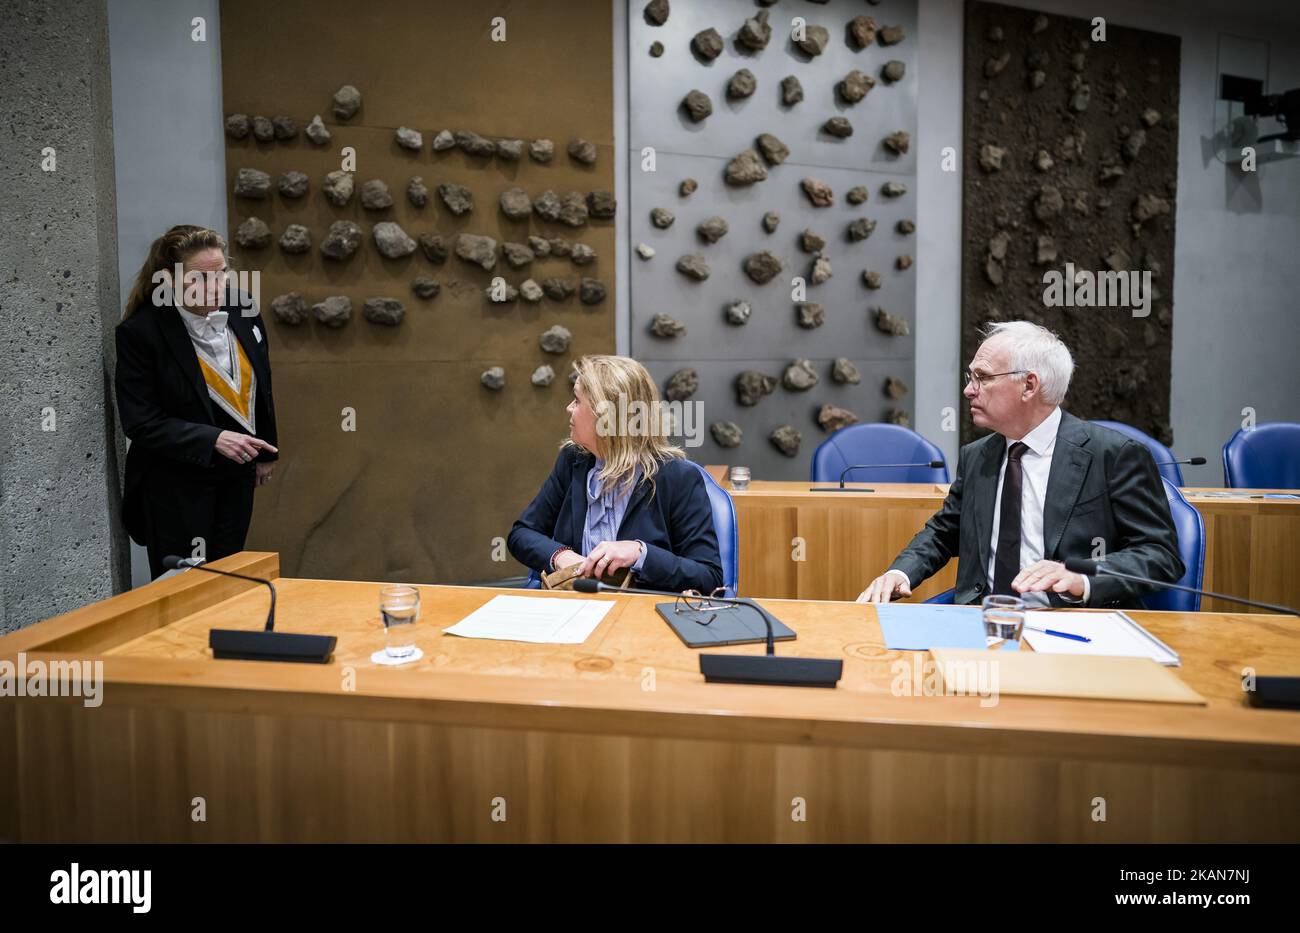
column 982, row 379
column 693, row 601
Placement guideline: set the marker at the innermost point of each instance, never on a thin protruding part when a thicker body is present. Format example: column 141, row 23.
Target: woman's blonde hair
column 175, row 246
column 622, row 393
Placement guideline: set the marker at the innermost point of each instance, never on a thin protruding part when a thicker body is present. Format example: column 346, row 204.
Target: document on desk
column 1113, row 634
column 922, row 626
column 540, row 619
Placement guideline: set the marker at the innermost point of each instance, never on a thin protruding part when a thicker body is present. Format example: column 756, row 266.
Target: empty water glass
column 739, row 477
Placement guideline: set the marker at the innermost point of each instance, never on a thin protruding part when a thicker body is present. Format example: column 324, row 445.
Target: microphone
column 930, row 465
column 743, row 668
column 266, row 645
column 1092, row 568
column 1190, row 461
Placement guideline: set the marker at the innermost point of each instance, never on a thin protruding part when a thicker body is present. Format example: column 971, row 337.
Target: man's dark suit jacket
column 164, row 406
column 1101, row 485
column 676, row 524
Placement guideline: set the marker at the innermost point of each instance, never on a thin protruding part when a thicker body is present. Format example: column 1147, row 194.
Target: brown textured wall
column 438, row 465
column 1122, row 362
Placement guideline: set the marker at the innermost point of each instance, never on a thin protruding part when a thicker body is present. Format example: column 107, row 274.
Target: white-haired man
column 1044, row 487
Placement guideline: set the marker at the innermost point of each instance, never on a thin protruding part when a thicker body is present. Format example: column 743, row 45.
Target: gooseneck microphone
column 264, row 645
column 929, row 465
column 1190, row 461
column 1093, row 568
column 742, row 668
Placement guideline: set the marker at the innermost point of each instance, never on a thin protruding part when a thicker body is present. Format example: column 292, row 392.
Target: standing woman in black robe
column 194, row 397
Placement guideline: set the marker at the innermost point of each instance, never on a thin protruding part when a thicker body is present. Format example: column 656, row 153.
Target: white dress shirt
column 209, row 334
column 1036, row 467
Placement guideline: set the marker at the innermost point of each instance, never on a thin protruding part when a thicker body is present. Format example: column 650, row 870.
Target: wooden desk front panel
column 1252, row 547
column 797, row 544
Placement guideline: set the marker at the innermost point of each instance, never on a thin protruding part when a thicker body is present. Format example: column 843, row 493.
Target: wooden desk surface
column 632, row 680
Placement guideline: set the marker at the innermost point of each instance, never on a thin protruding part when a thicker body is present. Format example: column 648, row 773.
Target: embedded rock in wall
column 582, row 151
column 289, row 308
column 293, row 184
column 252, row 183
column 666, row 326
column 707, row 44
column 347, row 101
column 342, row 240
column 555, row 339
column 890, row 324
column 375, row 196
column 745, row 169
column 408, row 138
column 831, row 418
column 338, row 188
column 726, row 433
column 751, row 387
column 693, row 266
column 818, row 192
column 392, row 241
column 295, row 239
column 516, row 204
column 387, row 311
column 317, row 132
column 334, row 311
column 844, row 372
column 682, row 385
column 458, row 198
column 786, row 439
column 712, row 230
column 494, row 378
column 253, row 234
column 763, row 266
column 480, row 250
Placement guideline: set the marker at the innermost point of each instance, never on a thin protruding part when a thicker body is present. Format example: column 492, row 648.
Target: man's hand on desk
column 885, row 587
column 1049, row 575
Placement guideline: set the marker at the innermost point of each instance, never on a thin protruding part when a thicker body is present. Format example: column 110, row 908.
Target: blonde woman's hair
column 175, row 246
column 612, row 384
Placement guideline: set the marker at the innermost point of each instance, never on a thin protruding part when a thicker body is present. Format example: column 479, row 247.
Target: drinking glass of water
column 400, row 608
column 1004, row 618
column 740, row 478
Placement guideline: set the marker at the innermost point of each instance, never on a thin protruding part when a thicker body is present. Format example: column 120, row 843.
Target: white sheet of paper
column 537, row 619
column 1111, row 635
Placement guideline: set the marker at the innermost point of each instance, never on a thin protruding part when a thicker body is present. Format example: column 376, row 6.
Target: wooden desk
column 617, row 739
column 1252, row 546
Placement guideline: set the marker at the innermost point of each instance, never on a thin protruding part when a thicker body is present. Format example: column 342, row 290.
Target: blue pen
column 1048, row 631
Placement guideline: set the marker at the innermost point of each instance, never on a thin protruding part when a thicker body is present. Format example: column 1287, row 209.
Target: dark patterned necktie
column 1007, row 562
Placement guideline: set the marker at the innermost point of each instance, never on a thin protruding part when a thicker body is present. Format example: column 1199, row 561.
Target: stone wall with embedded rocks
column 433, row 295
column 1071, row 157
column 757, row 156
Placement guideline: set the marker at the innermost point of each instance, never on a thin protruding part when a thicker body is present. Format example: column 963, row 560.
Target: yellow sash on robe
column 236, row 393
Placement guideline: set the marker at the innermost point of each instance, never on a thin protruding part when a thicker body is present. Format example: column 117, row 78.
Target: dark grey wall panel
column 771, row 340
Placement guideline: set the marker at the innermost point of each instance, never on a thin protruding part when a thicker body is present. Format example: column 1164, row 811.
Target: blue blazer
column 676, row 524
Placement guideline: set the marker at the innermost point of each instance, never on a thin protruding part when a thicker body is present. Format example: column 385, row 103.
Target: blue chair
column 877, row 443
column 724, row 524
column 1191, row 548
column 1265, row 457
column 728, row 530
column 1162, row 454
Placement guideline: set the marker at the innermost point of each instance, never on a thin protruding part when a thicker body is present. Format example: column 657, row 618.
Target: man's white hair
column 1035, row 349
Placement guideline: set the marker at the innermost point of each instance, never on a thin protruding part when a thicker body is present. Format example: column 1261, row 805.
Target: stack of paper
column 1113, row 635
column 539, row 619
